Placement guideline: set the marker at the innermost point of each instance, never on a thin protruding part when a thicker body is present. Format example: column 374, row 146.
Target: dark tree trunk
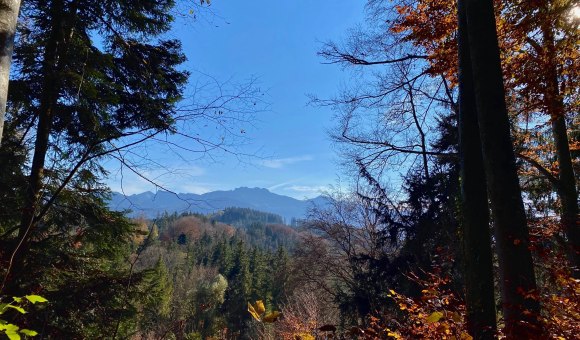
column 52, row 63
column 517, row 278
column 567, row 192
column 480, row 297
column 567, row 183
column 8, row 17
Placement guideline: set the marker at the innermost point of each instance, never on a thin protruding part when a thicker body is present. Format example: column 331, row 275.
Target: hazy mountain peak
column 261, row 199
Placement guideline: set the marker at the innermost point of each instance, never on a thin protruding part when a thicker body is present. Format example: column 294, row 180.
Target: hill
column 150, row 204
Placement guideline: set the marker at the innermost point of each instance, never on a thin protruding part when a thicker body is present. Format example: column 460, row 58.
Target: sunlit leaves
column 434, row 317
column 13, row 331
column 438, row 313
column 35, row 298
column 304, row 336
column 253, row 312
column 18, row 308
column 258, row 312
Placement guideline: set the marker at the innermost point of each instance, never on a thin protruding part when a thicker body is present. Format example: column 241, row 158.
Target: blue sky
column 275, row 42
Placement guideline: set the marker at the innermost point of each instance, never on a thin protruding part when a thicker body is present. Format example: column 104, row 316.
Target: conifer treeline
column 204, row 282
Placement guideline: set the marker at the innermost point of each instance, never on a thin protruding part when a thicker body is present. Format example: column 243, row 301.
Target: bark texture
column 479, row 285
column 566, row 180
column 8, row 18
column 54, row 57
column 517, row 277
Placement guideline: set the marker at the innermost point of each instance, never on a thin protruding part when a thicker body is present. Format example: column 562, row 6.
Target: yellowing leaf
column 465, row 336
column 456, row 317
column 304, row 336
column 394, row 335
column 20, row 309
column 28, row 332
column 272, row 317
column 434, row 317
column 11, row 331
column 253, row 312
column 35, row 298
column 259, row 307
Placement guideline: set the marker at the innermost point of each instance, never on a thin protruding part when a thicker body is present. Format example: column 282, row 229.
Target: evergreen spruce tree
column 238, row 293
column 90, row 77
column 155, row 298
column 280, row 277
column 258, row 272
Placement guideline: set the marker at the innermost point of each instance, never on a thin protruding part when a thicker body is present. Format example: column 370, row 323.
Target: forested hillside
column 455, row 209
column 199, row 274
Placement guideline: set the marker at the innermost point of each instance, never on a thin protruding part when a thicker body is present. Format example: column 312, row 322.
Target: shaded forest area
column 459, row 135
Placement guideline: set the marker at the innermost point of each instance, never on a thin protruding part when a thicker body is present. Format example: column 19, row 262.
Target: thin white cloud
column 278, row 163
column 308, row 188
column 283, row 184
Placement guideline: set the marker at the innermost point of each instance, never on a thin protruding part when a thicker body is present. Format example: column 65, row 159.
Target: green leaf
column 17, row 299
column 28, row 332
column 11, row 331
column 36, row 298
column 13, row 335
column 20, row 309
column 434, row 317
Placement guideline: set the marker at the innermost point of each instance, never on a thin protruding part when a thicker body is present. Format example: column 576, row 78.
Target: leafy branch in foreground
column 11, row 330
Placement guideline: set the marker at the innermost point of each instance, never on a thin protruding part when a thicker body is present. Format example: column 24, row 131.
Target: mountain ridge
column 150, row 204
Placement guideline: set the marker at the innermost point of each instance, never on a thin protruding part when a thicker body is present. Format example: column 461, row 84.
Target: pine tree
column 259, row 277
column 239, row 290
column 280, row 276
column 89, row 75
column 155, row 299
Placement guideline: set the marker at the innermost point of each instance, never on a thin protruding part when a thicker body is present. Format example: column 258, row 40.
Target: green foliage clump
column 11, row 330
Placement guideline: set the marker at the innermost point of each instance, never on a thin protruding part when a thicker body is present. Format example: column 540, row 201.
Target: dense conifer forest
column 456, row 216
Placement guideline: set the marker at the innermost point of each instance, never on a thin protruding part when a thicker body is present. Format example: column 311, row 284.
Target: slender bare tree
column 8, row 18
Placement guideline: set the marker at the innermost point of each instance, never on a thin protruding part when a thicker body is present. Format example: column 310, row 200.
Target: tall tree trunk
column 480, row 297
column 567, row 183
column 52, row 64
column 517, row 278
column 8, row 17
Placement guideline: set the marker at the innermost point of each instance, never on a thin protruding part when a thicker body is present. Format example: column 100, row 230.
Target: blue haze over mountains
column 150, row 204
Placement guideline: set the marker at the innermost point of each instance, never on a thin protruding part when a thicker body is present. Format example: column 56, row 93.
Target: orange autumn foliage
column 439, row 313
column 432, row 25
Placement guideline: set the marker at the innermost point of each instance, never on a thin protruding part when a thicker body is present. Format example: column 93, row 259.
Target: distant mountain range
column 153, row 204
